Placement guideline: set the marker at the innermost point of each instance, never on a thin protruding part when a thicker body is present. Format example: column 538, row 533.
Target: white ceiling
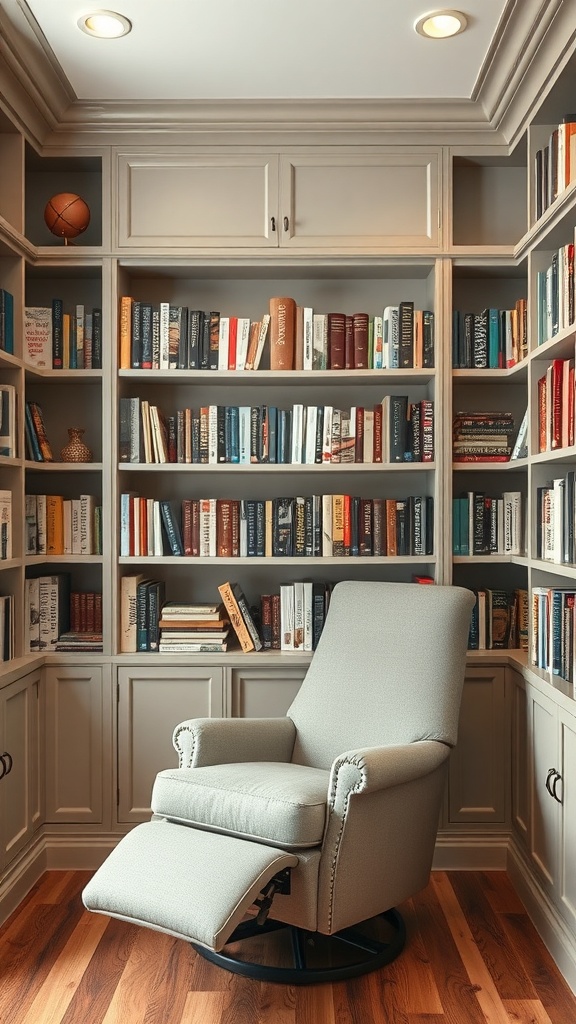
column 267, row 49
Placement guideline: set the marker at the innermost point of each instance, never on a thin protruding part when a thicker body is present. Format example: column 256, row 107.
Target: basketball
column 67, row 215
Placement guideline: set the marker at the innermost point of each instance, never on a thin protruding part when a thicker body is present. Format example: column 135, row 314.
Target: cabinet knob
column 286, row 223
column 7, row 763
column 273, row 223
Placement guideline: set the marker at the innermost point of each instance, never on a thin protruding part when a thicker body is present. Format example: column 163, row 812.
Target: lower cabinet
column 479, row 772
column 548, row 759
column 151, row 703
column 76, row 760
column 262, row 692
column 21, row 785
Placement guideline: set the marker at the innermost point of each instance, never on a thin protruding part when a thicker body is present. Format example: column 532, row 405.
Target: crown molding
column 534, row 37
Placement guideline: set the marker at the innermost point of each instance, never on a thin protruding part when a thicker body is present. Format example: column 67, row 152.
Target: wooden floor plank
column 478, row 973
column 133, row 992
column 499, row 892
column 526, row 1011
column 490, row 937
column 94, row 993
column 411, row 973
column 54, row 995
column 552, row 990
column 204, row 1007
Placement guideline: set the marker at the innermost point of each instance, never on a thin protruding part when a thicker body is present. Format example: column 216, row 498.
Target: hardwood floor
column 472, row 957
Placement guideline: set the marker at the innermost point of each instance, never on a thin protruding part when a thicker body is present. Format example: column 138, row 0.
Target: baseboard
column 560, row 943
column 471, row 852
column 21, row 875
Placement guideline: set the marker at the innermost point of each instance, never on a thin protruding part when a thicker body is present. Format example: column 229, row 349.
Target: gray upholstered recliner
column 322, row 819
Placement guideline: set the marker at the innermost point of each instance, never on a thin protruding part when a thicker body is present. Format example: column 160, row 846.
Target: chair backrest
column 388, row 669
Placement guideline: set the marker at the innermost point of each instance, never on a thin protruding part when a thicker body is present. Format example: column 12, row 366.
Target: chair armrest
column 374, row 768
column 203, row 741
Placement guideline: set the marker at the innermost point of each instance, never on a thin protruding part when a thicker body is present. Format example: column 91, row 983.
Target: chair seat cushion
column 277, row 803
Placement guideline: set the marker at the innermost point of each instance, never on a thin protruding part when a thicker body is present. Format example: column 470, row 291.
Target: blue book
column 493, row 338
column 6, row 321
column 233, row 433
column 456, row 509
column 31, row 436
column 172, row 528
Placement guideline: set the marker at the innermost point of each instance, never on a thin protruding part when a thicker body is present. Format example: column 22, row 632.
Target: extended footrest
column 189, row 883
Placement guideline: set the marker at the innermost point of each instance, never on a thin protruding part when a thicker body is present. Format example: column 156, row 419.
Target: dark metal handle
column 551, row 773
column 7, row 763
column 557, row 779
column 286, row 223
column 273, row 223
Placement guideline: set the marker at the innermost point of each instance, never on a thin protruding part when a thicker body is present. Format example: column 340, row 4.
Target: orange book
column 54, row 524
column 282, row 333
column 236, row 617
column 391, row 540
column 125, row 339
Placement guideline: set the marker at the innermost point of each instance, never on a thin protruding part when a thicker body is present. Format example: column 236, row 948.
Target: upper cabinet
column 489, row 199
column 326, row 200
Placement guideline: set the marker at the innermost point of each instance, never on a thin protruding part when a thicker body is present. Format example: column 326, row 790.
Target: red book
column 557, row 373
column 359, row 448
column 187, row 526
column 232, row 336
column 360, row 332
column 336, row 341
column 347, row 523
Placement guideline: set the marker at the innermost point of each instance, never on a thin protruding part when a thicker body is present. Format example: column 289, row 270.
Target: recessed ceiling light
column 105, row 24
column 441, row 24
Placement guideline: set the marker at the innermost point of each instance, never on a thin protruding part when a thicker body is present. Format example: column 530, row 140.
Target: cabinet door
column 21, row 790
column 545, row 810
column 374, row 201
column 520, row 757
column 151, row 703
column 263, row 693
column 75, row 756
column 180, row 198
column 566, row 791
column 479, row 765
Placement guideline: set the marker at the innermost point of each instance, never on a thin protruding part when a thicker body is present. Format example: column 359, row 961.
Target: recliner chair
column 318, row 821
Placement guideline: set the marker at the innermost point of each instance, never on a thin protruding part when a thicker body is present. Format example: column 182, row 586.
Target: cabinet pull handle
column 3, row 769
column 286, row 223
column 551, row 772
column 557, row 779
column 6, row 767
column 273, row 223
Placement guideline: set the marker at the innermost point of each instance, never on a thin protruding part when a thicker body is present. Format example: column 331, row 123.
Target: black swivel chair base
column 317, row 958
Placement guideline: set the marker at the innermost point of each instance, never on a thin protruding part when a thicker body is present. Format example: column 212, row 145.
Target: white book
column 378, row 349
column 391, row 336
column 297, row 434
column 8, row 446
column 308, row 615
column 368, row 452
column 327, row 434
column 223, row 342
column 310, row 435
column 32, row 619
column 125, row 500
column 308, row 328
column 158, row 440
column 128, row 612
column 320, row 341
column 286, row 617
column 242, row 340
column 146, row 427
column 212, row 434
column 244, row 418
column 157, row 529
column 298, row 616
column 38, row 336
column 49, row 612
column 87, row 523
column 512, row 502
column 67, row 526
column 208, row 528
column 327, row 542
column 164, row 361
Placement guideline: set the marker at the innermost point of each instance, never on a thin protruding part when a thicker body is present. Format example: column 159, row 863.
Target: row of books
column 485, row 525
column 59, row 619
column 482, row 436
column 8, row 400
column 6, row 321
column 499, row 620
column 292, row 619
column 6, row 627
column 493, row 339
column 552, row 645
column 320, row 526
column 555, row 164
column 55, row 339
column 393, row 430
column 555, row 404
column 555, row 306
column 56, row 525
column 162, row 336
column 5, row 525
column 556, row 520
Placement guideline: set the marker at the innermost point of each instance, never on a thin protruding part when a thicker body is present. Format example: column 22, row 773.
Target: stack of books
column 193, row 628
column 482, row 436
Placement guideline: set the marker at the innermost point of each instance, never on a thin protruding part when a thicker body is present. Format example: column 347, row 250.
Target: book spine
column 282, row 333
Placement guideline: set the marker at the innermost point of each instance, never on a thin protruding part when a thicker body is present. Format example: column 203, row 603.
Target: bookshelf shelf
column 63, row 467
column 285, row 468
column 256, row 378
column 62, row 376
column 352, row 562
column 63, row 559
